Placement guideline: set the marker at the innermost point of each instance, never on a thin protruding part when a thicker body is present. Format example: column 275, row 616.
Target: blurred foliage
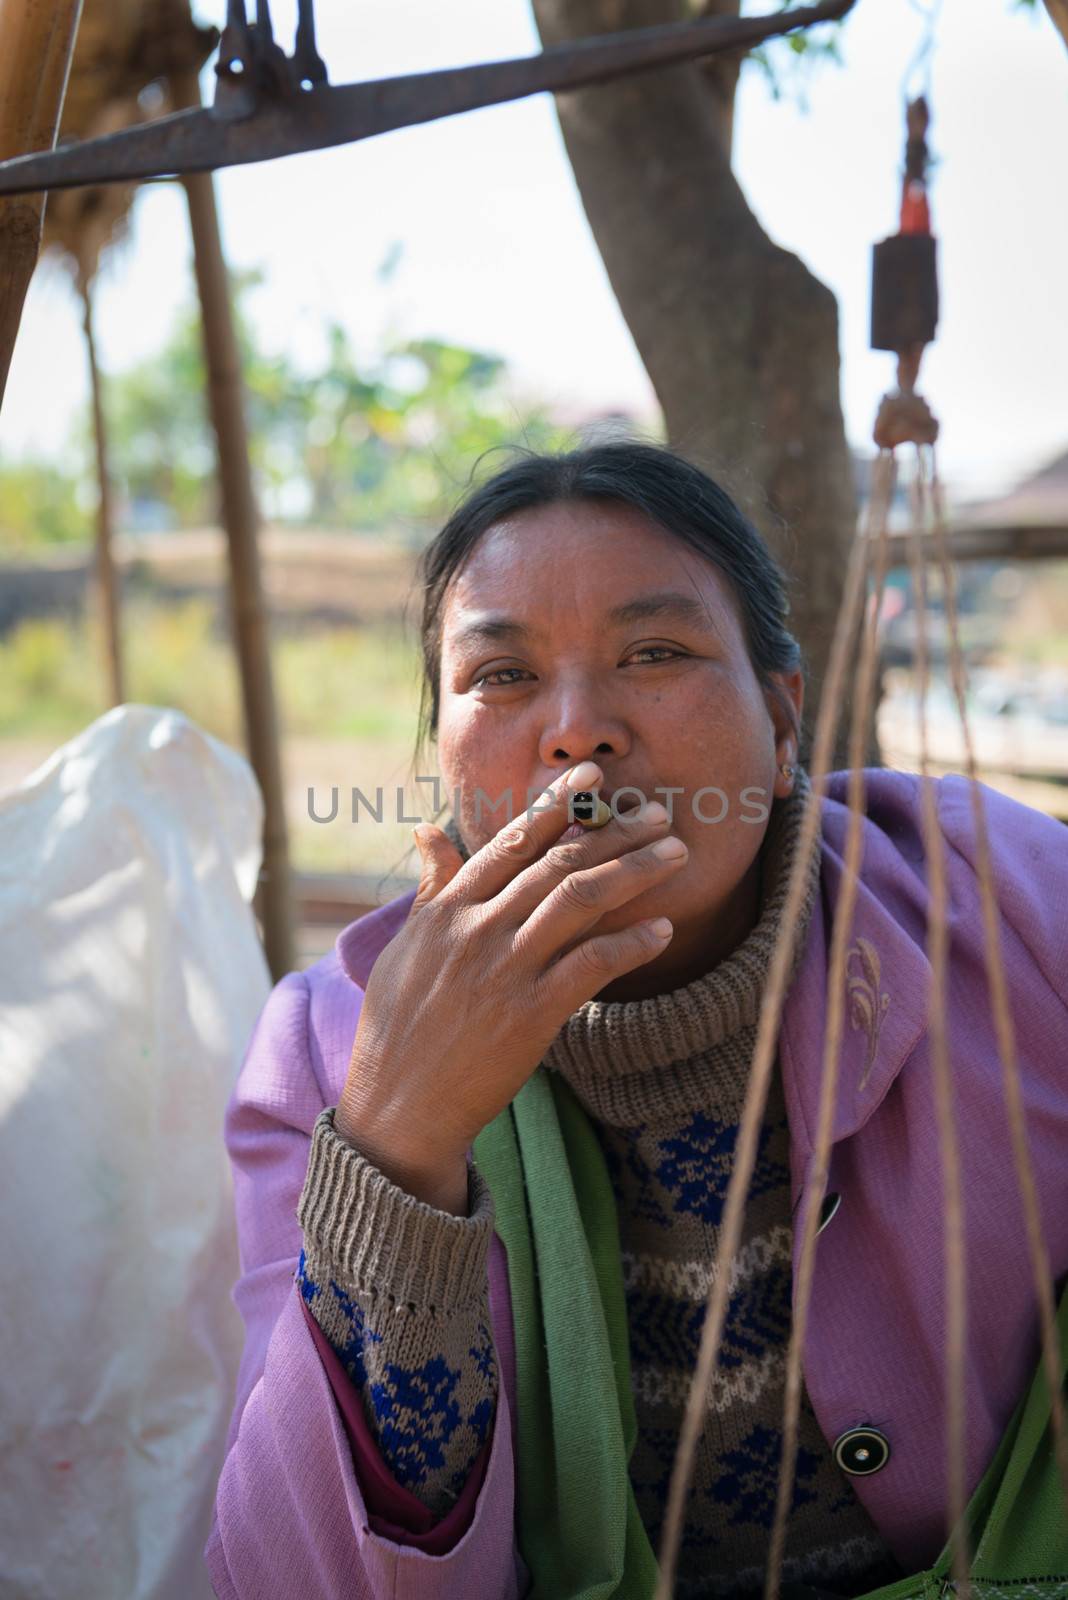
column 786, row 64
column 348, row 682
column 333, row 683
column 382, row 444
column 42, row 503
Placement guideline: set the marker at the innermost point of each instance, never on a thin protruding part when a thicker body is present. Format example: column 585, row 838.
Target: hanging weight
column 904, row 291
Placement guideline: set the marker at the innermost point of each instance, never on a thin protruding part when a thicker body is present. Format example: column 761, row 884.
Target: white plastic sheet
column 130, row 980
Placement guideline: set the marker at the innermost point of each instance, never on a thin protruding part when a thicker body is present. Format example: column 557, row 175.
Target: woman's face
column 660, row 702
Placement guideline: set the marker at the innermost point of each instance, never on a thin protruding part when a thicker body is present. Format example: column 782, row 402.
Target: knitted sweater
column 399, row 1288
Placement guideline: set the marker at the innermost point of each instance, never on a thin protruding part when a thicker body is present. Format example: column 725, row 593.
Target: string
column 921, row 57
column 862, row 706
column 816, row 1183
column 760, row 1072
column 937, row 950
column 999, row 1000
column 928, row 512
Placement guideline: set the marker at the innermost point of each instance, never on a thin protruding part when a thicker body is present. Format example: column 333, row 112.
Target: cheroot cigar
column 589, row 809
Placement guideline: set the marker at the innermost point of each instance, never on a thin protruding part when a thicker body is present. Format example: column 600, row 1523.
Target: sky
column 482, row 220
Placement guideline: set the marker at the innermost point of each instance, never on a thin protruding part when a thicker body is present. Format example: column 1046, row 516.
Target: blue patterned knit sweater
column 400, row 1289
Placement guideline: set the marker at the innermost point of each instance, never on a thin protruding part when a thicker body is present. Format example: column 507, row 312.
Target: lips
column 629, row 802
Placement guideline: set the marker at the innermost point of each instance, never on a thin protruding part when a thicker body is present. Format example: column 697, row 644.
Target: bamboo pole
column 36, row 45
column 241, row 519
column 105, row 578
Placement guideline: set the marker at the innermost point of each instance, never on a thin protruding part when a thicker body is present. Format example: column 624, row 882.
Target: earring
column 786, row 769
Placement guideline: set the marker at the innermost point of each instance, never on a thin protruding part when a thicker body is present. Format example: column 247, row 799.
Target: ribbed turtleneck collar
column 613, row 1053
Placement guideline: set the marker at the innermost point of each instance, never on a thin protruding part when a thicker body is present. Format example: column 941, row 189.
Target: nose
column 580, row 727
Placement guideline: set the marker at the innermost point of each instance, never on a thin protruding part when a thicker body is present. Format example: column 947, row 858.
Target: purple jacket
column 293, row 1513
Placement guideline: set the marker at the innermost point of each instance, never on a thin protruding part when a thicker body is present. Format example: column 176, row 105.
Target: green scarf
column 577, row 1522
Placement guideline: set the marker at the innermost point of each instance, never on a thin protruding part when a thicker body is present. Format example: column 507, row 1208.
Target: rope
column 904, row 418
column 759, row 1077
column 938, row 951
column 836, row 986
column 999, row 1000
column 927, row 513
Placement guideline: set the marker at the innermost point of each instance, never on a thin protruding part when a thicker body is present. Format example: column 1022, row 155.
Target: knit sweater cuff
column 383, row 1241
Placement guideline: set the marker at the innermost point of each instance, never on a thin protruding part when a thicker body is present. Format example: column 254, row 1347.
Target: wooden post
column 36, row 45
column 241, row 519
column 105, row 577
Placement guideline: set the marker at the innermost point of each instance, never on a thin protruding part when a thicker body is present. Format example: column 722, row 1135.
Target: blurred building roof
column 1041, row 497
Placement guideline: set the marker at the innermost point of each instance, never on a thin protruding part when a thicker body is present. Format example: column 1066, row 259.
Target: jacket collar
column 887, row 972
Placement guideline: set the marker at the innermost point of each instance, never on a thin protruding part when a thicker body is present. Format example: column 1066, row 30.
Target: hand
column 495, row 955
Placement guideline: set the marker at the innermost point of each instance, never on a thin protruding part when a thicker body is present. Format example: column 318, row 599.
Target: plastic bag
column 131, row 977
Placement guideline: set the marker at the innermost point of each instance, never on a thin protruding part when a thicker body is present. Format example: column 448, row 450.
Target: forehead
column 581, row 558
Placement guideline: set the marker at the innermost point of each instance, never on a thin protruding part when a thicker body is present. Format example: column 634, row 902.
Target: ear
column 787, row 695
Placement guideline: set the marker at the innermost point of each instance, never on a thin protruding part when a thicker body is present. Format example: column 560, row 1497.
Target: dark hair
column 671, row 492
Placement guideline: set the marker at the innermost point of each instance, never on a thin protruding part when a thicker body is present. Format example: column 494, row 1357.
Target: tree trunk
column 739, row 339
column 241, row 519
column 36, row 45
column 1058, row 15
column 105, row 577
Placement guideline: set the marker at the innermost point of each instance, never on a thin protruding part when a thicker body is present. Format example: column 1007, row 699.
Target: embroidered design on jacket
column 867, row 1004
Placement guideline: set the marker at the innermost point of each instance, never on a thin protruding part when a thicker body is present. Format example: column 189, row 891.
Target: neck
column 695, row 949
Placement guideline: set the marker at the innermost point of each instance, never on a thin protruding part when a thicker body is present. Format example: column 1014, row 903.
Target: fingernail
column 584, row 776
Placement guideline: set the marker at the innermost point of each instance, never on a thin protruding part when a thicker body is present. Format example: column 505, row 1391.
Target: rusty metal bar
column 322, row 117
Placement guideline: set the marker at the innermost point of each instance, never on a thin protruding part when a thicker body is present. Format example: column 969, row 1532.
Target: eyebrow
column 671, row 603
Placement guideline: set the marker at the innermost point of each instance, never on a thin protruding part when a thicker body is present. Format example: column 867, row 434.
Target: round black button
column 861, row 1451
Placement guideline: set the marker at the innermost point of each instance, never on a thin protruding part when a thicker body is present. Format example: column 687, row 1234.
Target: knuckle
column 514, row 843
column 579, row 891
column 592, row 956
column 564, row 857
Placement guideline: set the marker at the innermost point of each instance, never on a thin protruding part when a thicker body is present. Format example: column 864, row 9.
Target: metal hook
column 309, row 68
column 235, row 94
column 251, row 66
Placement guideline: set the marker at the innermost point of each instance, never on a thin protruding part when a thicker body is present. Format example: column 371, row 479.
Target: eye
column 661, row 649
column 484, row 678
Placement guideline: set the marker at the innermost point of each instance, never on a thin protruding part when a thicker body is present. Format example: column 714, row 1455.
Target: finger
column 566, row 855
column 571, row 981
column 526, row 837
column 440, row 862
column 574, row 906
